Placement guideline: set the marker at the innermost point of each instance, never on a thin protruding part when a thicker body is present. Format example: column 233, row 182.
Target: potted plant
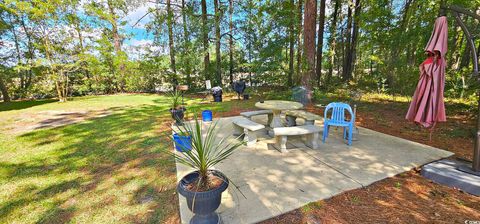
column 217, row 94
column 177, row 110
column 203, row 187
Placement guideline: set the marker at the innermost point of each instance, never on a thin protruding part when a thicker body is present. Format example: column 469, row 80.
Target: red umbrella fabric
column 427, row 106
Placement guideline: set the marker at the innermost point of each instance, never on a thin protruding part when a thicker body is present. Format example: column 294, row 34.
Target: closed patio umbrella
column 427, row 106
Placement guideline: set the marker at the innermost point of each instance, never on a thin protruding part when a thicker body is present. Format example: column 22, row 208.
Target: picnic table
column 277, row 106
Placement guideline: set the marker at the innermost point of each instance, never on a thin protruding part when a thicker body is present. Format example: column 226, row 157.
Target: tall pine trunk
column 396, row 48
column 299, row 36
column 321, row 27
column 309, row 29
column 171, row 45
column 230, row 42
column 31, row 53
column 332, row 41
column 218, row 56
column 16, row 40
column 206, row 57
column 353, row 48
column 291, row 31
column 117, row 45
column 351, row 43
column 4, row 91
column 346, row 44
column 186, row 44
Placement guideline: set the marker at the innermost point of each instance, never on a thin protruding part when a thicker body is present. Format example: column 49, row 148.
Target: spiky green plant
column 175, row 99
column 207, row 149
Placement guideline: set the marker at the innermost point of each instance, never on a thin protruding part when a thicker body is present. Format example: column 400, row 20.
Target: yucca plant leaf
column 207, row 149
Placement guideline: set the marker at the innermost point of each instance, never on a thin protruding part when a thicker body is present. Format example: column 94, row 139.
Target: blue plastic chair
column 337, row 118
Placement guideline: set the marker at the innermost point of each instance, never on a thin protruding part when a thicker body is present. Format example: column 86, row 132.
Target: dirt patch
column 405, row 198
column 50, row 119
column 212, row 182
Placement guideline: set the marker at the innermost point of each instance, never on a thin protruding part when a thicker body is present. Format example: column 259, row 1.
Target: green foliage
column 312, row 206
column 398, row 185
column 176, row 99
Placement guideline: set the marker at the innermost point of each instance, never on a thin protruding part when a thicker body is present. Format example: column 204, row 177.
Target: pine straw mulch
column 405, row 198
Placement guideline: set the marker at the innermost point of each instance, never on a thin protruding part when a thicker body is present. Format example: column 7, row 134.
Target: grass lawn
column 111, row 169
column 106, row 169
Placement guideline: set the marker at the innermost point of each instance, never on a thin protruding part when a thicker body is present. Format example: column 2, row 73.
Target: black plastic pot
column 178, row 115
column 217, row 94
column 246, row 96
column 217, row 97
column 203, row 204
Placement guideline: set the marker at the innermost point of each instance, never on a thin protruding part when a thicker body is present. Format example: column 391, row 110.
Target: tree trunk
column 31, row 52
column 465, row 61
column 230, row 42
column 206, row 57
column 332, row 40
column 321, row 27
column 342, row 48
column 395, row 53
column 16, row 40
column 186, row 43
column 291, row 31
column 82, row 51
column 61, row 84
column 346, row 43
column 117, row 44
column 352, row 48
column 299, row 37
column 309, row 44
column 218, row 56
column 171, row 45
column 4, row 91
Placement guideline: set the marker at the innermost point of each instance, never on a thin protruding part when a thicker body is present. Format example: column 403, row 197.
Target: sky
column 140, row 38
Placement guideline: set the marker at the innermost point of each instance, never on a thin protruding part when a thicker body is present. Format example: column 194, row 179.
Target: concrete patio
column 271, row 183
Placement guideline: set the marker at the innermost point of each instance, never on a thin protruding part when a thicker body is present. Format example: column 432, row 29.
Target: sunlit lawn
column 103, row 170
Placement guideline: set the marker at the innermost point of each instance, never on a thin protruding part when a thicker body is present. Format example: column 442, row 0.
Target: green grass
column 104, row 170
column 312, row 206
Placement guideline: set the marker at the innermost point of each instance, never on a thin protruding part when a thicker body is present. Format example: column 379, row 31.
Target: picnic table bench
column 291, row 116
column 311, row 132
column 250, row 114
column 248, row 128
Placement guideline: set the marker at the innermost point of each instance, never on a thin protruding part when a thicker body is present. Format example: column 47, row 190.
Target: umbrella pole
column 456, row 12
column 476, row 151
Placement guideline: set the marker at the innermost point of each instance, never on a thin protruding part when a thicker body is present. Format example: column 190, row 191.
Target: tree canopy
column 61, row 48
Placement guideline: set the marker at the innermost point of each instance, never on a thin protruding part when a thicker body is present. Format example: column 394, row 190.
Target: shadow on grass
column 18, row 105
column 104, row 169
column 103, row 164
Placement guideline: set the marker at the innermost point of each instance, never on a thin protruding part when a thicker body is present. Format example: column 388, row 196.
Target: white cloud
column 141, row 43
column 134, row 16
column 136, row 48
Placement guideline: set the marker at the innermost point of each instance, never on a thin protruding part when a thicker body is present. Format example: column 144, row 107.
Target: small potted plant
column 203, row 187
column 177, row 110
column 217, row 94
